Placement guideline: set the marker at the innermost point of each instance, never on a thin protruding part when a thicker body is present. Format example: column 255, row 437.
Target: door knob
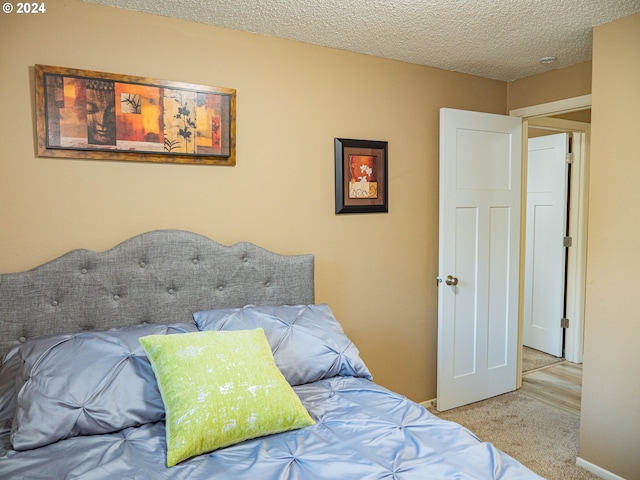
column 451, row 280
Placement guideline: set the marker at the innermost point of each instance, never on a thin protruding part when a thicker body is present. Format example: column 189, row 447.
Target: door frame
column 579, row 195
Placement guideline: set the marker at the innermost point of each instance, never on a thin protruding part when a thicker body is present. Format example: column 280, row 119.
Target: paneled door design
column 545, row 259
column 480, row 197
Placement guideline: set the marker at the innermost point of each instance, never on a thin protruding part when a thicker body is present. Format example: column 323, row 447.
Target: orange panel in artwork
column 139, row 114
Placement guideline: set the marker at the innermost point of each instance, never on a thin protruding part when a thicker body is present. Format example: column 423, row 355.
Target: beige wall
column 377, row 271
column 573, row 81
column 610, row 422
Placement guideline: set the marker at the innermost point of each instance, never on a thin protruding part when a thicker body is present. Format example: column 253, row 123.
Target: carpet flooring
column 542, row 437
column 533, row 359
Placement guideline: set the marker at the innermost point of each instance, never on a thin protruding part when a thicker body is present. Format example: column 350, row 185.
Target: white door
column 545, row 257
column 480, row 188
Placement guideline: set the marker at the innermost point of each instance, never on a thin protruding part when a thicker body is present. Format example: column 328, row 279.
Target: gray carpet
column 542, row 437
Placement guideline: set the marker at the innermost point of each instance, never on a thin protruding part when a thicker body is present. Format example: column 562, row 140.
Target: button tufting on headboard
column 150, row 277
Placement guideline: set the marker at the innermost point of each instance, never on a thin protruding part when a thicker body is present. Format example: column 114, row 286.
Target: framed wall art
column 105, row 116
column 361, row 176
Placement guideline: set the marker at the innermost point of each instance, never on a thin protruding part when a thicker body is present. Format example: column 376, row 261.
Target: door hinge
column 564, row 323
column 567, row 241
column 569, row 157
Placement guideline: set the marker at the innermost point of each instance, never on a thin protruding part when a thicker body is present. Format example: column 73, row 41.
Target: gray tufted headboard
column 161, row 276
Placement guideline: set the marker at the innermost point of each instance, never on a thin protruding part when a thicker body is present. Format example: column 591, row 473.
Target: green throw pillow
column 220, row 388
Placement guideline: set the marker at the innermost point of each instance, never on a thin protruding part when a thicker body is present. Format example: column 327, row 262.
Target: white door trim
column 578, row 216
column 553, row 108
column 577, row 259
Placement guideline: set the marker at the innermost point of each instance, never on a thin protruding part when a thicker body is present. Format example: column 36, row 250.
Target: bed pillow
column 307, row 341
column 220, row 388
column 84, row 383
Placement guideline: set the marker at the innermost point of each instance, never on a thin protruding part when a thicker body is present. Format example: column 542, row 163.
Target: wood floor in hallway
column 559, row 385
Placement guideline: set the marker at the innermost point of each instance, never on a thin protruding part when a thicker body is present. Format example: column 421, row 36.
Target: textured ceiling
column 499, row 39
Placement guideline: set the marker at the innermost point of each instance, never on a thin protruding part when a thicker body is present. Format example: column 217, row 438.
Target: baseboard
column 601, row 472
column 429, row 403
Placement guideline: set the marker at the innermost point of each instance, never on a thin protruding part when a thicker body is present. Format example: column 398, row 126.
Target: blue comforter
column 363, row 431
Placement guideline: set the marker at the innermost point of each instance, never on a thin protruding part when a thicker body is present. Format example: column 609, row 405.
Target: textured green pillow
column 220, row 388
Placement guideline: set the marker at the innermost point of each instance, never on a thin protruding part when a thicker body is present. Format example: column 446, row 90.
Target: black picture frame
column 361, row 168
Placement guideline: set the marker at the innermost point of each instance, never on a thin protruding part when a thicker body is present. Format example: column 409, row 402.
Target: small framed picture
column 361, row 176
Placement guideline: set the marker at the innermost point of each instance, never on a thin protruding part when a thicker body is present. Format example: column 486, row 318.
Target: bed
column 171, row 356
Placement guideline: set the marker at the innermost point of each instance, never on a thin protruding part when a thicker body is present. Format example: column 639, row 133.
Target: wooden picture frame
column 105, row 116
column 361, row 176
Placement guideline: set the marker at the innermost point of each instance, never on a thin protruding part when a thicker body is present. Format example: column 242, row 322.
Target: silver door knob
column 451, row 280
